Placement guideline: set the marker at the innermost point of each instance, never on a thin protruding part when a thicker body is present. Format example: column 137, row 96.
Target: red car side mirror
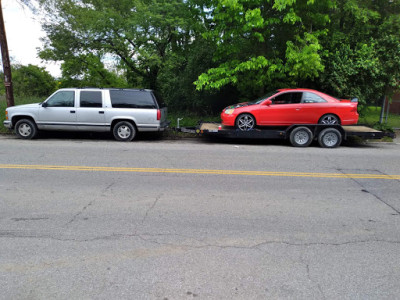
column 268, row 102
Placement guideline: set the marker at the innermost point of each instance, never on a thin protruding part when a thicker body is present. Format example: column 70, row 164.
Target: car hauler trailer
column 299, row 135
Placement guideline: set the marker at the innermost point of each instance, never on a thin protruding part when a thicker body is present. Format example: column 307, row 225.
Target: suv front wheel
column 124, row 131
column 26, row 129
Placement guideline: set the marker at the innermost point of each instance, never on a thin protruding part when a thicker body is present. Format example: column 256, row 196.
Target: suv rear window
column 132, row 99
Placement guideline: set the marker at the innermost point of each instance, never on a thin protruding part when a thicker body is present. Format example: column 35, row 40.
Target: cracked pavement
column 118, row 235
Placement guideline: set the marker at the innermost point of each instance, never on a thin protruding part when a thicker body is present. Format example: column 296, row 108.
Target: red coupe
column 291, row 106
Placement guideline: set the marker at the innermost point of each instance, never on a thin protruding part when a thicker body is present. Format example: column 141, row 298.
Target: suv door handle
column 72, row 111
column 101, row 112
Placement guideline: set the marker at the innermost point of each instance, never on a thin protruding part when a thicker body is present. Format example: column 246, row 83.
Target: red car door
column 284, row 110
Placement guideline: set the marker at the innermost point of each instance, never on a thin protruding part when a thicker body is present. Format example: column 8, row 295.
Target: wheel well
column 15, row 119
column 340, row 121
column 121, row 120
column 246, row 113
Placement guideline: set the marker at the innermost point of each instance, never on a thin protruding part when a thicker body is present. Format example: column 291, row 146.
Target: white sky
column 23, row 32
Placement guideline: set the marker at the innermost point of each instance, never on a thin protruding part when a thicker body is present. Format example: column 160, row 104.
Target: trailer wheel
column 301, row 137
column 330, row 138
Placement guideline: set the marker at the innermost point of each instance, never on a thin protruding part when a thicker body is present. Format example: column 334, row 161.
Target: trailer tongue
column 299, row 135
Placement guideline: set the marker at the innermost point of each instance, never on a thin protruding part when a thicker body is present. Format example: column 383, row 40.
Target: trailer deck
column 328, row 136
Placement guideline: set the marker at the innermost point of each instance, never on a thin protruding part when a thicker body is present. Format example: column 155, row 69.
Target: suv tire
column 26, row 129
column 124, row 131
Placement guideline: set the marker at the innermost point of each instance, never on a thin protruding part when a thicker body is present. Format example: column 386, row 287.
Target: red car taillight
column 158, row 115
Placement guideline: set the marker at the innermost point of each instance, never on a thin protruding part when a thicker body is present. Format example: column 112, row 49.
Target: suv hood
column 33, row 105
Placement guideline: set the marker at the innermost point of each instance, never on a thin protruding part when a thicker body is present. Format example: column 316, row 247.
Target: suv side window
column 132, row 99
column 91, row 99
column 62, row 99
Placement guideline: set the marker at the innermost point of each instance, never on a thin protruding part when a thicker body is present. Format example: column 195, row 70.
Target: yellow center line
column 197, row 171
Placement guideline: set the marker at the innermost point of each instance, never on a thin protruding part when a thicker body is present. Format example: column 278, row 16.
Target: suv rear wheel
column 124, row 131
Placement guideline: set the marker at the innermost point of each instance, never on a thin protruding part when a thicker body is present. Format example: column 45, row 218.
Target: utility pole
column 6, row 61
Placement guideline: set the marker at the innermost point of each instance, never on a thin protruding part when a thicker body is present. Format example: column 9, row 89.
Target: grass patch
column 190, row 119
column 372, row 115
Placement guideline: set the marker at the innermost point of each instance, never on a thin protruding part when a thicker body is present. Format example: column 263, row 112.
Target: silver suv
column 124, row 112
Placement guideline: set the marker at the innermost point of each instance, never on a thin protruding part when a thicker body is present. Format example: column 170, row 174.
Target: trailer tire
column 301, row 137
column 330, row 138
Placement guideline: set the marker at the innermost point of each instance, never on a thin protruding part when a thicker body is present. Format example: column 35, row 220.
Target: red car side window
column 312, row 98
column 287, row 98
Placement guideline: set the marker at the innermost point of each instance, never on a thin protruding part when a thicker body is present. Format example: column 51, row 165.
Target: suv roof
column 97, row 88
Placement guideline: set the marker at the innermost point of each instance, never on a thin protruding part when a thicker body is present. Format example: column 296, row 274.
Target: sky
column 23, row 32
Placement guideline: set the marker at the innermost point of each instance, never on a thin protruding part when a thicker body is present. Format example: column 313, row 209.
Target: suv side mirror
column 268, row 102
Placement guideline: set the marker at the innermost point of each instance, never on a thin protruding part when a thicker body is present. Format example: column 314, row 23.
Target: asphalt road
column 82, row 218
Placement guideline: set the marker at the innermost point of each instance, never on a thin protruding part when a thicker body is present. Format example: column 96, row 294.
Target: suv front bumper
column 7, row 124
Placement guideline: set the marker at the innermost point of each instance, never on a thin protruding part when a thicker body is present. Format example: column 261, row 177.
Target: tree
column 32, row 80
column 265, row 43
column 136, row 36
column 362, row 49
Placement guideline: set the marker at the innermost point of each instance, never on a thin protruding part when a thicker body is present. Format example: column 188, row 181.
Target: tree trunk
column 6, row 61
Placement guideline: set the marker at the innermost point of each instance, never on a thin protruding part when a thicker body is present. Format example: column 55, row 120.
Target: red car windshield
column 262, row 98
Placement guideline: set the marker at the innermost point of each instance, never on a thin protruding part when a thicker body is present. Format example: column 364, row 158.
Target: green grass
column 190, row 119
column 372, row 115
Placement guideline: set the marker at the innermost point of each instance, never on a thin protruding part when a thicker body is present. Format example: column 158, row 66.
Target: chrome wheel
column 329, row 120
column 330, row 139
column 245, row 122
column 301, row 137
column 124, row 132
column 24, row 130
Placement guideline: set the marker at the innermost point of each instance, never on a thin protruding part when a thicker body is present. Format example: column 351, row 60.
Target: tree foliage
column 32, row 80
column 265, row 43
column 132, row 35
column 229, row 49
column 363, row 50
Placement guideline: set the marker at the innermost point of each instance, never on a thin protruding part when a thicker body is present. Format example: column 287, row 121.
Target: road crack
column 87, row 206
column 365, row 190
column 151, row 208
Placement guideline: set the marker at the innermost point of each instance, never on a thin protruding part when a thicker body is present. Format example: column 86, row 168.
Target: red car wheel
column 329, row 119
column 245, row 122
